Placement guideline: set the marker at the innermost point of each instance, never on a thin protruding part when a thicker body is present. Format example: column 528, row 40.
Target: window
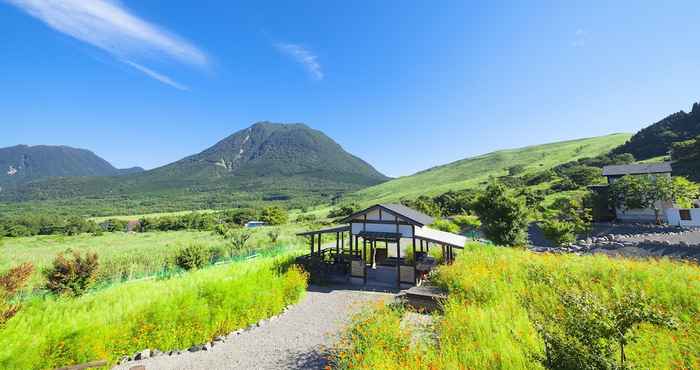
column 685, row 215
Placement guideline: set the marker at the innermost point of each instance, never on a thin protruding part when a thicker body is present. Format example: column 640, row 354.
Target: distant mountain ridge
column 21, row 164
column 266, row 161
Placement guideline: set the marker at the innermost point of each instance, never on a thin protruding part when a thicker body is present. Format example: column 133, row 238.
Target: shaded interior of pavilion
column 378, row 258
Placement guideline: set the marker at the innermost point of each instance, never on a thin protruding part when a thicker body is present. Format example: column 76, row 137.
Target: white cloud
column 155, row 75
column 304, row 57
column 109, row 26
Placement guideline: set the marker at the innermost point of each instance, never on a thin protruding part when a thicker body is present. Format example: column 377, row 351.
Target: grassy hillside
column 472, row 172
column 503, row 303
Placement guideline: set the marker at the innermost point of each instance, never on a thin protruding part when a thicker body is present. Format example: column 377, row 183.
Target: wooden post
column 320, row 236
column 398, row 262
column 312, row 243
column 342, row 241
column 337, row 244
column 415, row 260
column 364, row 259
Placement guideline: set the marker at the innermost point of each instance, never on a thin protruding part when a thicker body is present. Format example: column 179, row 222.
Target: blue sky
column 405, row 85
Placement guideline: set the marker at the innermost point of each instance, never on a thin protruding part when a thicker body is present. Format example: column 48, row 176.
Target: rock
column 146, row 353
column 195, row 349
column 219, row 339
column 124, row 360
column 156, row 353
column 205, row 347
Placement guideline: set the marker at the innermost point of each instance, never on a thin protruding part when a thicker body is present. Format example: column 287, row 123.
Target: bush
column 274, row 216
column 308, row 218
column 274, row 235
column 194, row 256
column 238, row 239
column 558, row 232
column 72, row 276
column 503, row 217
column 445, row 225
column 11, row 282
column 343, row 211
column 467, row 222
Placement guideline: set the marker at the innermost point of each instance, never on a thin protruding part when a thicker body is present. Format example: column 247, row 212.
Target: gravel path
column 295, row 340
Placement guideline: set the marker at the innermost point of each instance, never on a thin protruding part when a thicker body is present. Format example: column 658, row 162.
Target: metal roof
column 410, row 214
column 441, row 237
column 637, row 169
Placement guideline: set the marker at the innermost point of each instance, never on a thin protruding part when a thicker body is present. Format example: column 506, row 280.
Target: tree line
column 31, row 225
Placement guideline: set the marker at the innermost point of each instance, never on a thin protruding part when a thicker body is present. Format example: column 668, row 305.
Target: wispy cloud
column 155, row 75
column 107, row 25
column 304, row 57
column 579, row 38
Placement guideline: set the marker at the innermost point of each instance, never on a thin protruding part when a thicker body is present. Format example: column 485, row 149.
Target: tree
column 559, row 232
column 467, row 222
column 685, row 192
column 238, row 238
column 274, row 216
column 640, row 192
column 503, row 216
column 424, row 204
column 583, row 175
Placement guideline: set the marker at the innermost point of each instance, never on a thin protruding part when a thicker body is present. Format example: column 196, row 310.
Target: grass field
column 124, row 256
column 488, row 323
column 473, row 172
column 156, row 314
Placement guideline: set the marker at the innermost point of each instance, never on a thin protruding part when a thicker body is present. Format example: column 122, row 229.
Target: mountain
column 474, row 172
column 266, row 151
column 656, row 139
column 21, row 164
column 264, row 162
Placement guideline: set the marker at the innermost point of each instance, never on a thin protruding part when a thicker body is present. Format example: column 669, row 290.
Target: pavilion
column 365, row 240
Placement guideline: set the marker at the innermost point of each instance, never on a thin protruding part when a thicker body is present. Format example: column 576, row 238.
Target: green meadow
column 497, row 297
column 126, row 256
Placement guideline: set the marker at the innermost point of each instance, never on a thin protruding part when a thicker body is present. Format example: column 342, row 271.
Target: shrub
column 72, row 276
column 307, row 218
column 467, row 222
column 274, row 216
column 558, row 232
column 238, row 239
column 11, row 282
column 274, row 235
column 445, row 225
column 193, row 256
column 503, row 217
column 344, row 210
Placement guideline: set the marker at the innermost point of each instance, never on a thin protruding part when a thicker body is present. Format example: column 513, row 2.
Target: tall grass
column 124, row 256
column 486, row 323
column 169, row 314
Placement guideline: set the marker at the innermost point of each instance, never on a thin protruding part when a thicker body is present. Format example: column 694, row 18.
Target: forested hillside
column 656, row 140
column 21, row 164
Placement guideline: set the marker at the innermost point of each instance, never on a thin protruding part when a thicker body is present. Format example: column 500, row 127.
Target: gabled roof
column 410, row 214
column 637, row 169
